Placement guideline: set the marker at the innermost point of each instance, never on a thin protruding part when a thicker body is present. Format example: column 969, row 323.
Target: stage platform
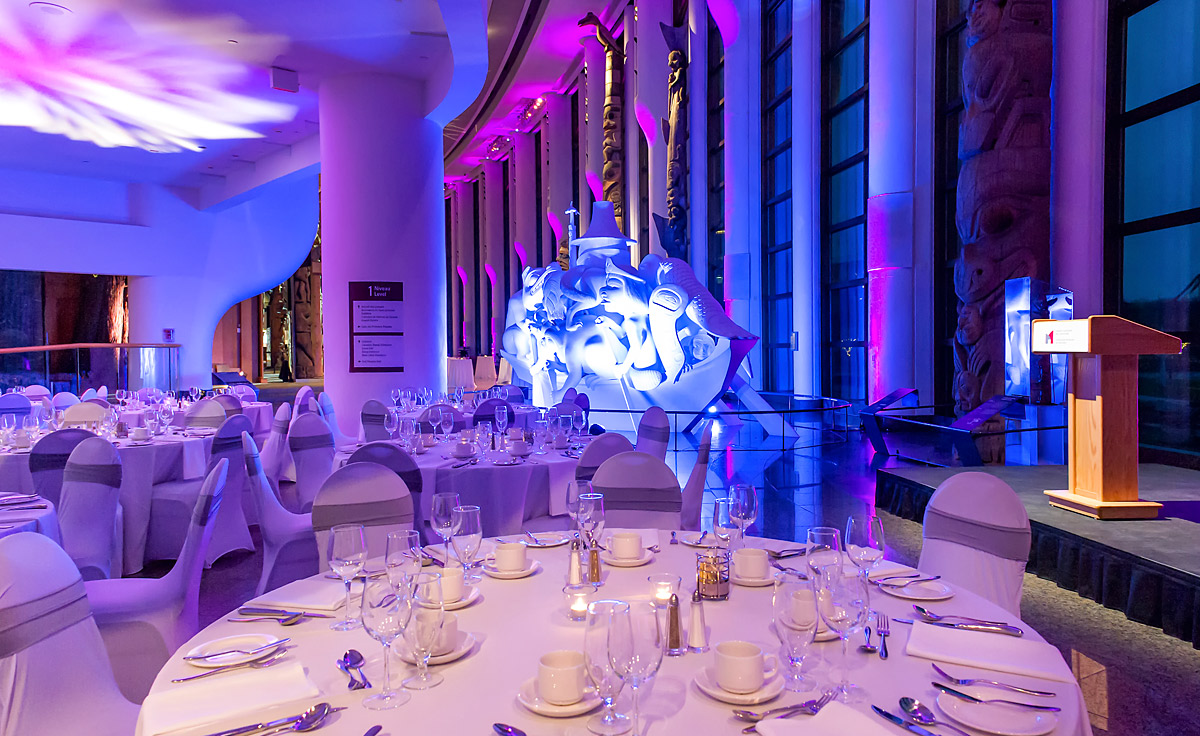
column 1148, row 569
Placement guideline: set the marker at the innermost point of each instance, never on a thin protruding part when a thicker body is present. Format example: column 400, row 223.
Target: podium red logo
column 1050, row 337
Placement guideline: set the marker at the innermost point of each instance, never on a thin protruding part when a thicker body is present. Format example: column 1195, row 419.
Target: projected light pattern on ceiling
column 100, row 74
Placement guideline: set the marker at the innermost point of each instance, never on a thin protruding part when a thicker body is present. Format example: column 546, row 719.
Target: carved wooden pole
column 672, row 229
column 613, row 172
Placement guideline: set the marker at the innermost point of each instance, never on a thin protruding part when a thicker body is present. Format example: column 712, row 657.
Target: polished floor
column 1137, row 681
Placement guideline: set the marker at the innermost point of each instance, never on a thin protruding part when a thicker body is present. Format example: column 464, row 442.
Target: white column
column 494, row 245
column 697, row 140
column 162, row 302
column 559, row 169
column 525, row 225
column 1077, row 99
column 595, row 62
column 382, row 220
column 806, row 195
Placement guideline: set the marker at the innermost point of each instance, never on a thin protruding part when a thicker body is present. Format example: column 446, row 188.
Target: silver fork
column 1005, row 686
column 883, row 627
column 257, row 665
column 256, row 650
column 825, row 699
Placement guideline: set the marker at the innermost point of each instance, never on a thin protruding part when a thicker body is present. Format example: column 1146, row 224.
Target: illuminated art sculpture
column 629, row 338
column 116, row 78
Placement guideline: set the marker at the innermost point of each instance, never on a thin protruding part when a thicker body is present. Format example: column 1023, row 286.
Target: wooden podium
column 1102, row 411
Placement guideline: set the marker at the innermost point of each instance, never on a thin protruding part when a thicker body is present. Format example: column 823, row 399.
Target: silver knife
column 989, row 628
column 251, row 611
column 972, row 699
column 902, row 723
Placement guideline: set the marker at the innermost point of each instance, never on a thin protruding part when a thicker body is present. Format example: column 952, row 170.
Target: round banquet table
column 517, row 621
column 460, row 372
column 43, row 521
column 259, row 413
column 525, row 415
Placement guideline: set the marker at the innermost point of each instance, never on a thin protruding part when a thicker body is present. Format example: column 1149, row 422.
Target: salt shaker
column 574, row 568
column 697, row 632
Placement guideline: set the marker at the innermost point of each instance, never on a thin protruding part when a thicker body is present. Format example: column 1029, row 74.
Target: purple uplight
column 595, row 184
column 725, row 16
column 555, row 226
column 646, row 122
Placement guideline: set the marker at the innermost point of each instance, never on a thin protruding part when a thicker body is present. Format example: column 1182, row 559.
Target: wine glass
column 385, row 615
column 396, row 396
column 723, row 524
column 591, row 517
column 864, row 541
column 540, row 433
column 442, row 513
column 501, row 415
column 347, row 553
column 468, row 535
column 409, row 431
column 402, row 557
column 447, row 421
column 424, row 627
column 599, row 668
column 564, row 425
column 166, row 415
column 795, row 622
column 842, row 603
column 577, row 421
column 458, row 395
column 195, row 394
column 824, row 549
column 391, row 420
column 743, row 508
column 635, row 648
column 576, row 489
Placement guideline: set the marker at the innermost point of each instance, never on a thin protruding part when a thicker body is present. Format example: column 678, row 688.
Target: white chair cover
column 311, row 444
column 37, row 392
column 362, row 493
column 88, row 517
column 83, row 413
column 205, row 413
column 55, row 677
column 276, row 457
column 599, row 450
column 486, row 412
column 102, row 392
column 64, row 399
column 144, row 620
column 567, row 407
column 48, row 459
column 505, row 373
column 103, row 403
column 88, row 394
column 399, row 462
column 245, row 392
column 654, row 432
column 172, row 502
column 640, row 491
column 693, row 490
column 512, row 394
column 485, row 372
column 230, row 403
column 289, row 547
column 306, row 402
column 327, row 411
column 145, row 393
column 570, row 394
column 977, row 536
column 426, row 420
column 373, row 415
column 18, row 404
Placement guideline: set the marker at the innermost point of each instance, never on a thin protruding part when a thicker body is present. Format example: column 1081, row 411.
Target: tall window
column 951, row 48
column 716, row 162
column 843, row 194
column 777, row 195
column 1153, row 207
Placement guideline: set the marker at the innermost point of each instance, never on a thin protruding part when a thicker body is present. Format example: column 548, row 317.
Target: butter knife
column 250, row 611
column 901, row 722
column 988, row 628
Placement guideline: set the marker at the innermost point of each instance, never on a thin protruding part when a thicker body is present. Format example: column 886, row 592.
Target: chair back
column 230, row 403
column 693, row 490
column 48, row 459
column 486, row 412
column 567, row 408
column 325, row 405
column 15, row 403
column 227, row 444
column 306, row 401
column 63, row 399
column 426, row 419
column 103, row 403
column 512, row 394
column 599, row 450
column 275, row 453
column 183, row 580
column 245, row 392
column 654, row 432
column 45, row 623
column 485, row 372
column 362, row 493
column 373, row 415
column 639, row 491
column 88, row 394
column 37, row 392
column 311, row 445
column 505, row 373
column 289, row 547
column 82, row 413
column 976, row 535
column 205, row 413
column 102, row 392
column 87, row 511
column 394, row 459
column 570, row 394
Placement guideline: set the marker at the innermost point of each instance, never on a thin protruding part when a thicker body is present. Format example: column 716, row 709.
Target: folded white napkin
column 884, row 568
column 310, row 594
column 224, row 697
column 997, row 652
column 834, row 719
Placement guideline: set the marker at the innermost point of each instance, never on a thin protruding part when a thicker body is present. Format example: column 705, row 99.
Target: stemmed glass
column 166, row 415
column 795, row 622
column 591, row 517
column 576, row 489
column 600, row 669
column 458, row 395
column 386, row 612
column 501, row 415
column 564, row 425
column 447, row 421
column 391, row 421
column 635, row 648
column 194, row 393
column 347, row 553
column 723, row 524
column 402, row 557
column 468, row 535
column 424, row 627
column 842, row 603
column 442, row 513
column 577, row 421
column 864, row 541
column 743, row 508
column 541, row 429
column 409, row 431
column 396, row 395
column 824, row 550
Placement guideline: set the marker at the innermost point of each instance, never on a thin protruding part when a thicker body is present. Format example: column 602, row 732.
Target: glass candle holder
column 578, row 596
column 712, row 574
column 662, row 587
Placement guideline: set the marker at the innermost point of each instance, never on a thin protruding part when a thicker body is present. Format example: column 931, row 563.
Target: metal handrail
column 86, row 345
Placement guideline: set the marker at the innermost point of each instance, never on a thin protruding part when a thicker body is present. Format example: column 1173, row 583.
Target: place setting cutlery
column 310, row 720
column 225, row 652
column 883, row 625
column 811, row 708
column 965, row 623
column 354, row 660
column 784, row 554
column 885, row 582
column 966, row 682
column 992, row 701
column 256, row 664
column 279, row 613
column 282, row 621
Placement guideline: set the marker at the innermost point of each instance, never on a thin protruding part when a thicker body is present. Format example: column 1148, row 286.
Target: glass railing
column 79, row 366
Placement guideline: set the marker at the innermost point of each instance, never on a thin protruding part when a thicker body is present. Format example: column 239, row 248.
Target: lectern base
column 1103, row 509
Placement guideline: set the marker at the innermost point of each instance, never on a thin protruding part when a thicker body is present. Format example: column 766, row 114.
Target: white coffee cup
column 516, row 433
column 561, row 442
column 741, row 666
column 625, row 545
column 21, row 439
column 561, row 677
column 750, row 563
column 139, row 433
column 452, row 582
column 429, row 440
column 448, row 637
column 464, row 449
column 510, row 556
column 518, row 447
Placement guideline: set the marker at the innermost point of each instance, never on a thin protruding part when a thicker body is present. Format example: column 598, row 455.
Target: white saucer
column 528, row 697
column 456, row 456
column 934, row 590
column 751, row 582
column 527, row 453
column 608, row 559
column 707, row 684
column 242, row 641
column 531, row 567
column 549, row 539
column 463, row 645
column 692, row 539
column 505, row 462
column 1005, row 720
column 463, row 602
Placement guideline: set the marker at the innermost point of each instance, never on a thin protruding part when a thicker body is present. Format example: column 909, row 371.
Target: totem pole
column 672, row 229
column 613, row 172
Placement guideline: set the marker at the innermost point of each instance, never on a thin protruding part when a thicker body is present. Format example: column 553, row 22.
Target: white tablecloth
column 517, row 621
column 460, row 372
column 525, row 415
column 43, row 521
column 167, row 458
column 259, row 413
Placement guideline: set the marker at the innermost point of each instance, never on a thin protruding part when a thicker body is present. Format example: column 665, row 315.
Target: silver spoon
column 506, row 730
column 310, row 721
column 355, row 659
column 920, row 713
column 928, row 615
column 753, row 717
column 867, row 648
column 354, row 684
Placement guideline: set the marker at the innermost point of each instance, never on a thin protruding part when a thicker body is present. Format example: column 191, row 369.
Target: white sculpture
column 630, row 338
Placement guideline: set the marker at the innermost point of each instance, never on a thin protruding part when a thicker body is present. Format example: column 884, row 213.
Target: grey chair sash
column 231, row 410
column 30, row 623
column 280, row 426
column 41, row 461
column 16, row 410
column 388, row 511
column 641, row 499
column 204, row 421
column 222, row 445
column 317, row 441
column 108, row 474
column 1001, row 541
column 585, row 472
column 654, row 434
column 206, row 507
column 375, row 419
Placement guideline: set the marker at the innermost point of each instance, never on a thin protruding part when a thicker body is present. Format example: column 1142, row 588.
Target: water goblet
column 468, row 535
column 842, row 603
column 424, row 627
column 442, row 513
column 635, row 649
column 402, row 557
column 578, row 422
column 385, row 615
column 391, row 421
column 864, row 541
column 347, row 553
column 723, row 525
column 591, row 517
column 743, row 508
column 599, row 668
column 396, row 395
column 795, row 621
column 447, row 422
column 540, row 433
column 576, row 489
column 824, row 549
column 501, row 415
